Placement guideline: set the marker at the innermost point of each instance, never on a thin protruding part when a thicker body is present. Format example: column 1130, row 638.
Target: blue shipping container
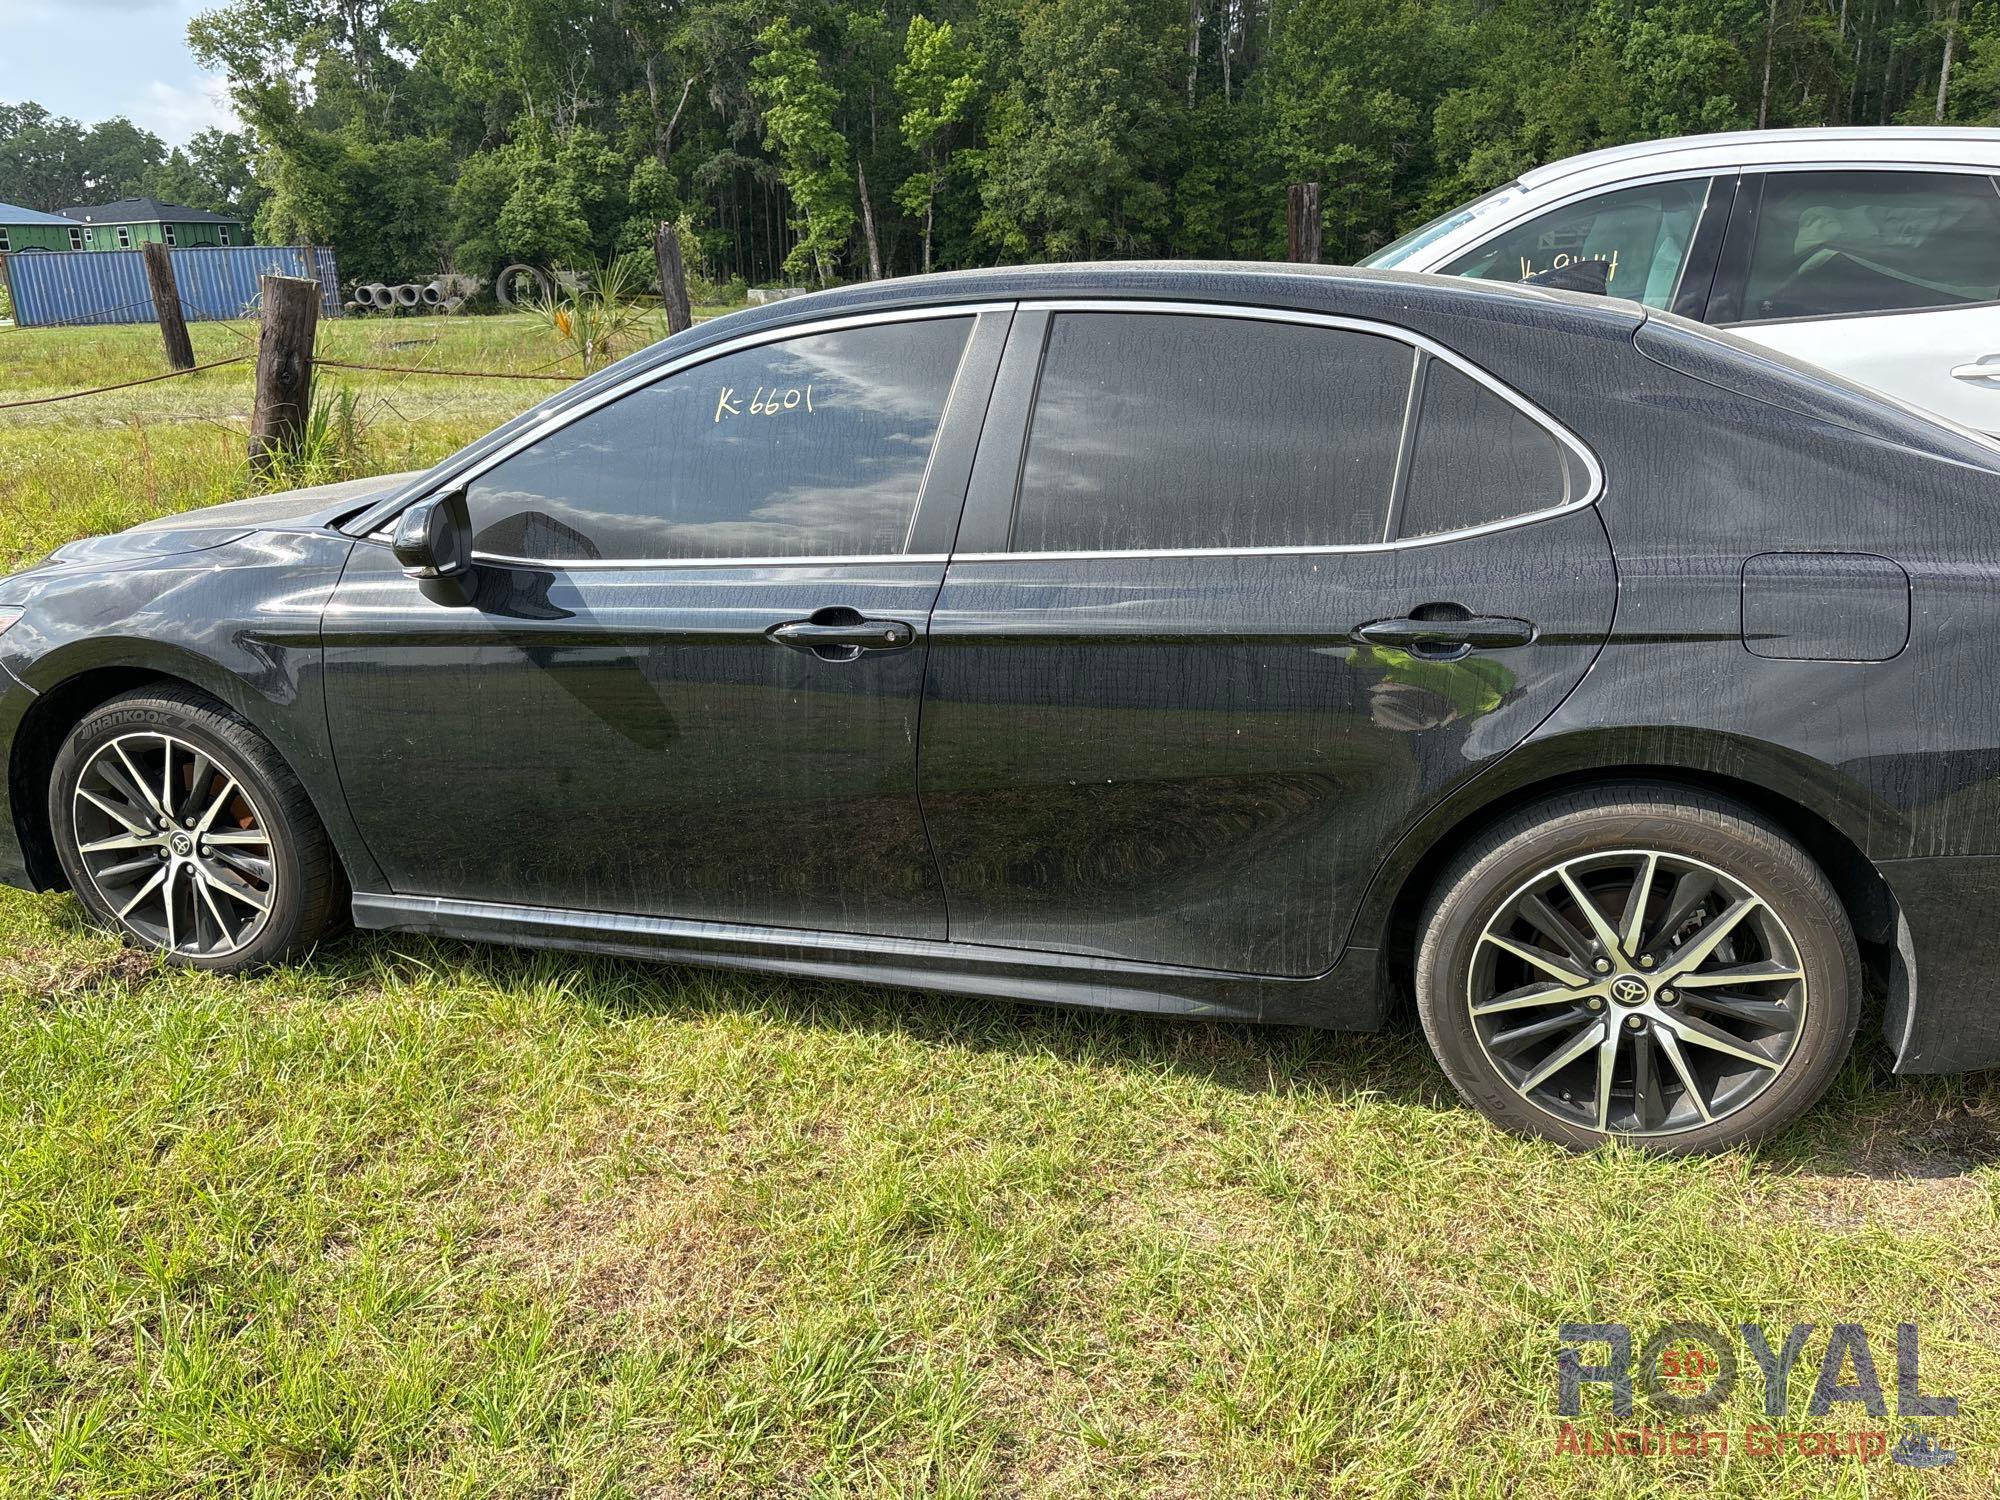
column 53, row 289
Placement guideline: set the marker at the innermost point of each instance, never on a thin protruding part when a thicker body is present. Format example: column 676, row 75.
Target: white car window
column 1399, row 251
column 1642, row 232
column 1833, row 243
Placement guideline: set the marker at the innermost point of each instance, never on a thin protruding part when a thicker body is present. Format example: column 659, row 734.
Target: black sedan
column 1241, row 641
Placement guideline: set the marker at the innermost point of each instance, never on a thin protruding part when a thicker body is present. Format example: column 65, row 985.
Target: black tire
column 304, row 888
column 1599, row 827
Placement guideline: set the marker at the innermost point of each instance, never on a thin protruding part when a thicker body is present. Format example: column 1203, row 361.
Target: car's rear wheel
column 178, row 824
column 1645, row 962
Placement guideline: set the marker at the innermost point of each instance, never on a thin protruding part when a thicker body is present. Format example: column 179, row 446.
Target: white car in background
column 1872, row 252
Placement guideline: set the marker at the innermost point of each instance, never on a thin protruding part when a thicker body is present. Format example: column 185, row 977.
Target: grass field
column 423, row 1219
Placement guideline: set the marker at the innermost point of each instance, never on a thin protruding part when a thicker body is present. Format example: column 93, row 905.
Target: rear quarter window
column 1477, row 460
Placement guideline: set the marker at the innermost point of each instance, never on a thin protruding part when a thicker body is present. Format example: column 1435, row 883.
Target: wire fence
column 341, row 364
column 329, row 364
column 124, row 385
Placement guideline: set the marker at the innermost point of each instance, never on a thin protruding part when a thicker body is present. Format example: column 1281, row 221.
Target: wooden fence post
column 167, row 304
column 673, row 279
column 310, row 255
column 284, row 370
column 1302, row 224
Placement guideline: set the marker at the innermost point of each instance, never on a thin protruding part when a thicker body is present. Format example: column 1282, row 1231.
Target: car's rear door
column 1889, row 277
column 1235, row 595
column 689, row 682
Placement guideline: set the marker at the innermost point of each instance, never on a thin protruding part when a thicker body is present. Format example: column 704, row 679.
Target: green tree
column 799, row 105
column 214, row 171
column 381, row 204
column 937, row 81
column 1083, row 136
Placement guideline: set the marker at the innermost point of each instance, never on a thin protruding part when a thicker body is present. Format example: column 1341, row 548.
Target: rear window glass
column 1832, row 243
column 1166, row 432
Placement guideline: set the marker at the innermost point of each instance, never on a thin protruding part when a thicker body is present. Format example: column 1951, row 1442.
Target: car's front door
column 1235, row 596
column 1891, row 278
column 689, row 681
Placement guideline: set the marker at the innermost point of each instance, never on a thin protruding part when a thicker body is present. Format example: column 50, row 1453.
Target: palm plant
column 594, row 311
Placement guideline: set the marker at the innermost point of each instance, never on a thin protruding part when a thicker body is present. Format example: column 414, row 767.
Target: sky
column 91, row 59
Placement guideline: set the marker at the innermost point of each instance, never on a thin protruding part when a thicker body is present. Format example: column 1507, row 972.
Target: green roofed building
column 130, row 222
column 25, row 229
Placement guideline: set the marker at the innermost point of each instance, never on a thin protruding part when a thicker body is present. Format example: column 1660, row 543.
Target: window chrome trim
column 1565, row 439
column 557, row 420
column 601, row 564
column 1574, row 446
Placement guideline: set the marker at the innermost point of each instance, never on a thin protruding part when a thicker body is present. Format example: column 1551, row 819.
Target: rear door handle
column 1978, row 372
column 842, row 634
column 1471, row 633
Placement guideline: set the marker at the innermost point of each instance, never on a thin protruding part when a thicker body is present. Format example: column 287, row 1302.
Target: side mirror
column 433, row 542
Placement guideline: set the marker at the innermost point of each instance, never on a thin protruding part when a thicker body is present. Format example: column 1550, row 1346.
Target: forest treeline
column 821, row 140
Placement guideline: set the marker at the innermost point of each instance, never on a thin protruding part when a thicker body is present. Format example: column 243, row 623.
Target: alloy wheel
column 175, row 845
column 1637, row 992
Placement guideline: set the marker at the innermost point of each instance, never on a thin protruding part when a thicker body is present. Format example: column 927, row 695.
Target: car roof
column 1943, row 145
column 1333, row 290
column 1339, row 291
column 1395, row 297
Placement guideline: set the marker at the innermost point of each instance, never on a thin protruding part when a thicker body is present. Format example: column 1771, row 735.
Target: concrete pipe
column 504, row 286
column 374, row 294
column 432, row 293
column 407, row 294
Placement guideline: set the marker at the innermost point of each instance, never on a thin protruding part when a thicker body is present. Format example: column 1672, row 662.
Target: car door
column 689, row 680
column 1658, row 239
column 1235, row 595
column 1891, row 278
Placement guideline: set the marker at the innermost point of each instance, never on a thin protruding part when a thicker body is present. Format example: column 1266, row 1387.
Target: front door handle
column 842, row 634
column 1448, row 636
column 1978, row 371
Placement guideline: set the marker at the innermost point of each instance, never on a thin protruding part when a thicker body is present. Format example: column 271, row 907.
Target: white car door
column 1889, row 277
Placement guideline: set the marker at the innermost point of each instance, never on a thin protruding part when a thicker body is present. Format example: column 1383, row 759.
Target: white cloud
column 174, row 113
column 40, row 9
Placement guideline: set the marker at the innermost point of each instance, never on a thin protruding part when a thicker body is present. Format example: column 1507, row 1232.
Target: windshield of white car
column 1395, row 253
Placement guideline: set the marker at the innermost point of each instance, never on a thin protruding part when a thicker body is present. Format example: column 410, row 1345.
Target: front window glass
column 1642, row 232
column 813, row 447
column 1830, row 243
column 1396, row 252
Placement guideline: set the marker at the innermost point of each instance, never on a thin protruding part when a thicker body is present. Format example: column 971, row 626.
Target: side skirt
column 1348, row 997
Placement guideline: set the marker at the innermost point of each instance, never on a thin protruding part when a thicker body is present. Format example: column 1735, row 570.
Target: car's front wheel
column 1645, row 962
column 178, row 824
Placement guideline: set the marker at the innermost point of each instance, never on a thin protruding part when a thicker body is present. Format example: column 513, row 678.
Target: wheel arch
column 42, row 730
column 66, row 697
column 1833, row 827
